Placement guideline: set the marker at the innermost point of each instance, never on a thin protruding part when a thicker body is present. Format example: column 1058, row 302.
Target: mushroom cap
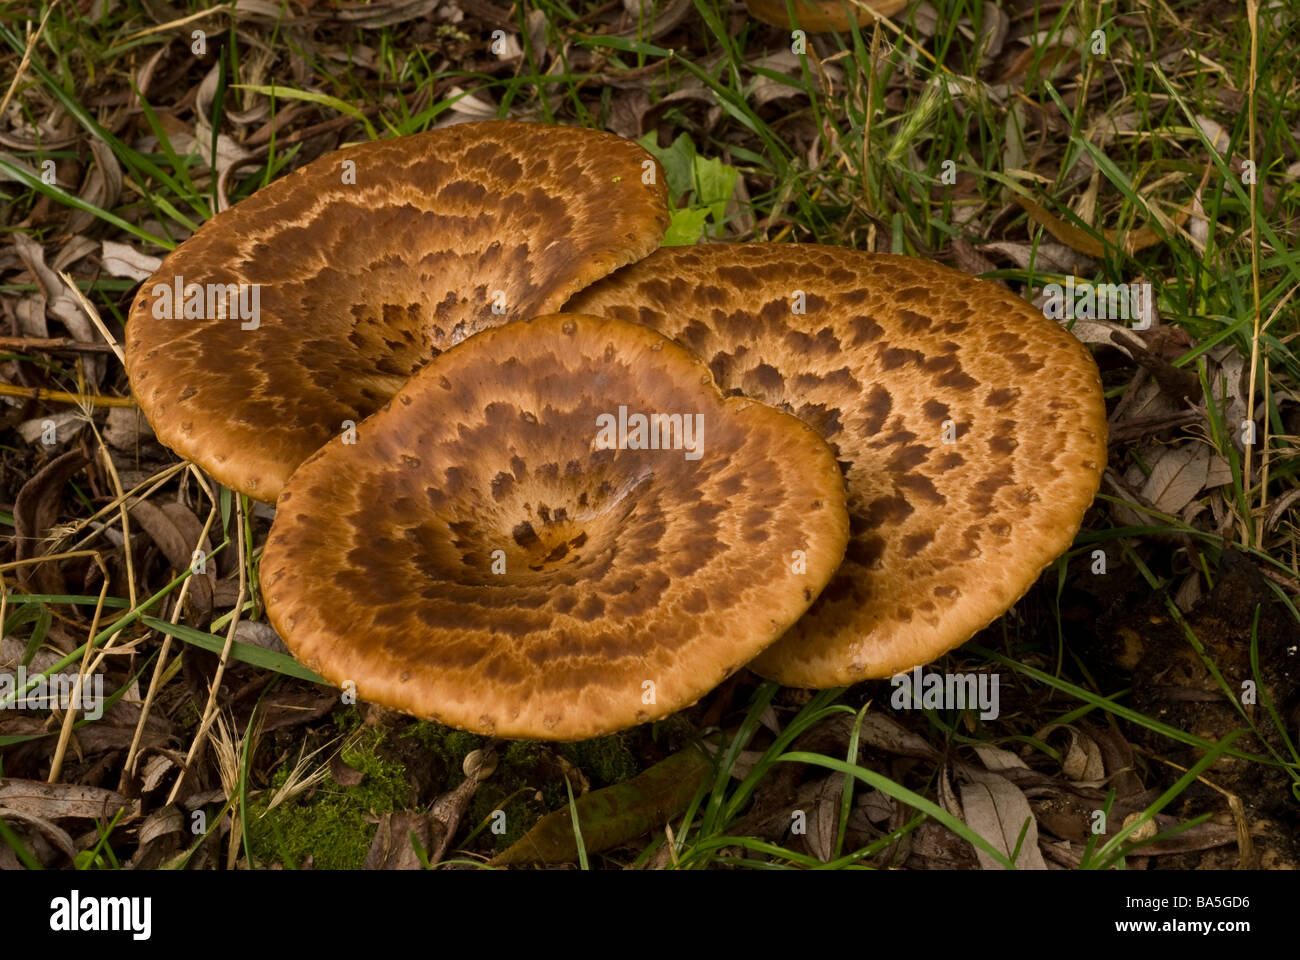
column 477, row 556
column 366, row 263
column 944, row 537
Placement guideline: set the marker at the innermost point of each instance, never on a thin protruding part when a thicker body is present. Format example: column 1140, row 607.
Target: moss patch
column 331, row 823
column 409, row 764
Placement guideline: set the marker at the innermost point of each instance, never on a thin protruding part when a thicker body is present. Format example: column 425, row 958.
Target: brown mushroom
column 298, row 312
column 506, row 548
column 971, row 428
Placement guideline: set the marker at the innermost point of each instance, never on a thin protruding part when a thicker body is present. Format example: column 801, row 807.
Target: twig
column 61, row 396
column 65, row 732
column 210, row 711
column 173, row 24
column 89, row 310
column 132, row 755
column 27, row 57
column 53, row 344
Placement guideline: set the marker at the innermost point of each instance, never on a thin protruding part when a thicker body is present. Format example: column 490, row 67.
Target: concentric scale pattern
column 486, row 556
column 971, row 430
column 367, row 263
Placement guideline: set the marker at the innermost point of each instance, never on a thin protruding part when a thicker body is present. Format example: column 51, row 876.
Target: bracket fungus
column 971, row 429
column 307, row 305
column 507, row 549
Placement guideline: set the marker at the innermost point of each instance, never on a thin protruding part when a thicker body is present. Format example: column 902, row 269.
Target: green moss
column 449, row 745
column 330, row 822
column 605, row 760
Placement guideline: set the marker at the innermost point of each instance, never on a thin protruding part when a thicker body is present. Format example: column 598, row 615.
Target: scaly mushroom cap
column 491, row 555
column 364, row 264
column 972, row 430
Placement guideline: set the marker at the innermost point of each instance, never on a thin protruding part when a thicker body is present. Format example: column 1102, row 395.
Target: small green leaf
column 678, row 162
column 685, row 227
column 714, row 184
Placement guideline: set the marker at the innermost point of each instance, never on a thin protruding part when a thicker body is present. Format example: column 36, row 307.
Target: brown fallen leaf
column 997, row 810
column 1130, row 241
column 58, row 801
column 161, row 836
column 52, row 832
column 59, row 302
column 392, row 848
column 824, row 817
column 1053, row 60
column 1177, row 476
column 970, row 260
column 822, row 15
column 123, row 260
column 935, row 847
column 35, row 511
column 101, row 188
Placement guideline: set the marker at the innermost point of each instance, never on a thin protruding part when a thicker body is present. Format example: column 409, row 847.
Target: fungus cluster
column 826, row 464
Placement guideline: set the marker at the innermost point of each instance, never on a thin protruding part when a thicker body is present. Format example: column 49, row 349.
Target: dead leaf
column 123, row 260
column 102, row 187
column 155, row 769
column 383, row 13
column 824, row 817
column 999, row 812
column 934, row 847
column 876, row 806
column 67, row 424
column 54, row 833
column 1083, row 759
column 885, row 733
column 59, row 303
column 822, row 15
column 392, row 848
column 996, row 759
column 1053, row 60
column 61, row 801
column 126, row 429
column 260, row 634
column 1045, row 257
column 970, row 260
column 650, row 21
column 1177, row 476
column 35, row 511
